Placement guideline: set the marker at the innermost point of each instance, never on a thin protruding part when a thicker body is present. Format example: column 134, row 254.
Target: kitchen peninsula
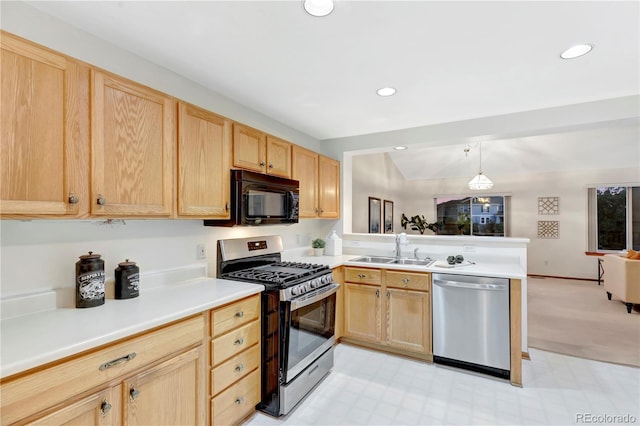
column 373, row 267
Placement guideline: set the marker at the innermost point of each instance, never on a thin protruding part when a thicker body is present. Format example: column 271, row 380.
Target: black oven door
column 311, row 323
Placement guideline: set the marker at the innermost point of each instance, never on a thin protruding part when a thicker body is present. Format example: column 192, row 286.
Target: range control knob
column 294, row 291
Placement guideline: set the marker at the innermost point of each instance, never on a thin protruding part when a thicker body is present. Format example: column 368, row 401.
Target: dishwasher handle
column 478, row 286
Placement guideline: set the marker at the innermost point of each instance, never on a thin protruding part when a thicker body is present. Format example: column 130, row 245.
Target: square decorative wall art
column 548, row 229
column 548, row 205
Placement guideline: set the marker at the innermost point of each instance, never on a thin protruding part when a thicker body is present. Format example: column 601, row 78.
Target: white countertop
column 32, row 340
column 484, row 269
column 498, row 269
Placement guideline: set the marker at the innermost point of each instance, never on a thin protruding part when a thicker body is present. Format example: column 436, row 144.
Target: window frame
column 592, row 217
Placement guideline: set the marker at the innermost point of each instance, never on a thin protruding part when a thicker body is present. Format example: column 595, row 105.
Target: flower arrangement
column 420, row 224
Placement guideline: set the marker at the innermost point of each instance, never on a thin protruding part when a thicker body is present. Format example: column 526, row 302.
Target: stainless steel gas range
column 298, row 317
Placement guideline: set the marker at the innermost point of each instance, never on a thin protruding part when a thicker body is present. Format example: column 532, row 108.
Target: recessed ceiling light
column 575, row 51
column 318, row 7
column 399, row 148
column 386, row 91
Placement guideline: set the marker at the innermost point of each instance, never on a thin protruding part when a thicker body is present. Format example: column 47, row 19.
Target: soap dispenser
column 334, row 245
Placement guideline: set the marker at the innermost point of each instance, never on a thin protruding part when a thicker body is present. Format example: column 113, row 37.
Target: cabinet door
column 328, row 188
column 173, row 392
column 44, row 132
column 102, row 408
column 278, row 157
column 338, row 277
column 408, row 320
column 305, row 170
column 362, row 312
column 249, row 148
column 132, row 145
column 204, row 161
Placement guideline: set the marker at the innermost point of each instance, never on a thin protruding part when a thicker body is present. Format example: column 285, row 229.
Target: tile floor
column 373, row 388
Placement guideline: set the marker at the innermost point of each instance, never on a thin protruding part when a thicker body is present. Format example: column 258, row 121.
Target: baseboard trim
column 562, row 278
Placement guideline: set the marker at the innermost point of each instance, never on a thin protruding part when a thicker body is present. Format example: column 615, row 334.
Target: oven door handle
column 302, row 302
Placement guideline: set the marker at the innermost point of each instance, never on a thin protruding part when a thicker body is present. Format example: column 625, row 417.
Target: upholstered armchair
column 622, row 279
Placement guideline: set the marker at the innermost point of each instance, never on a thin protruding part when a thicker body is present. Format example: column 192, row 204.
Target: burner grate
column 281, row 273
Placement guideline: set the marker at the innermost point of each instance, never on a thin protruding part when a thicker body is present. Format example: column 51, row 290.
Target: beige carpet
column 574, row 317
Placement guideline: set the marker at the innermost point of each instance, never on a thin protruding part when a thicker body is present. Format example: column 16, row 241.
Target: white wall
column 40, row 255
column 559, row 257
column 375, row 176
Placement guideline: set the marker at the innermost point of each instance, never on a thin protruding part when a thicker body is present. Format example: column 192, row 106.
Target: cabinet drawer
column 234, row 342
column 362, row 275
column 63, row 381
column 408, row 280
column 234, row 315
column 237, row 402
column 234, row 369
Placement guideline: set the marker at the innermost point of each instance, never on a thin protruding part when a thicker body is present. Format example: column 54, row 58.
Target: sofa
column 622, row 279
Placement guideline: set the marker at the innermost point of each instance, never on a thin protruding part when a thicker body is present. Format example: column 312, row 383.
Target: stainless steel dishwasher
column 471, row 323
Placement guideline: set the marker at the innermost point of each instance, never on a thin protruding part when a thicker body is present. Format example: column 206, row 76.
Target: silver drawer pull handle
column 239, row 314
column 134, row 393
column 73, row 199
column 239, row 400
column 405, row 280
column 239, row 341
column 105, row 407
column 239, row 367
column 118, row 361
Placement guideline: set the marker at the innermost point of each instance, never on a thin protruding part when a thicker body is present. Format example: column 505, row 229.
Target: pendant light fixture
column 480, row 181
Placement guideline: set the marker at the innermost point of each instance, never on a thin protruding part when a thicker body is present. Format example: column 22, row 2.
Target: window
column 614, row 218
column 466, row 215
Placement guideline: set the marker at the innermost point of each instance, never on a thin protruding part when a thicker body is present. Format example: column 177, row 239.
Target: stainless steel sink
column 411, row 261
column 392, row 260
column 373, row 259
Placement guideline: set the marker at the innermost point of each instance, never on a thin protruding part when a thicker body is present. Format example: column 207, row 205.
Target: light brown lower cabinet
column 157, row 377
column 235, row 361
column 101, row 408
column 389, row 310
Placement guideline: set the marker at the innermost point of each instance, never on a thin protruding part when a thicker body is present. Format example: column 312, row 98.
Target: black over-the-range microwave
column 260, row 199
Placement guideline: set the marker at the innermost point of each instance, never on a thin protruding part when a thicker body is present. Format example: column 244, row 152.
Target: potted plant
column 318, row 246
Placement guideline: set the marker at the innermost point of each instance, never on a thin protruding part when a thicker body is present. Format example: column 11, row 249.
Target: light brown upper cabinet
column 44, row 132
column 319, row 178
column 249, row 148
column 328, row 187
column 257, row 151
column 132, row 148
column 305, row 170
column 278, row 157
column 204, row 161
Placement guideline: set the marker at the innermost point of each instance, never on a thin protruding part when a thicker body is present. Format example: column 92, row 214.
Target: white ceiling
column 448, row 60
column 602, row 148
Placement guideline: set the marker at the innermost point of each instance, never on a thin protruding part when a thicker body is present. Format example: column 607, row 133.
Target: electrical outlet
column 202, row 251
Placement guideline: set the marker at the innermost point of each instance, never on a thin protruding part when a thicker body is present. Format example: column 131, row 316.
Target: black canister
column 89, row 281
column 127, row 280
